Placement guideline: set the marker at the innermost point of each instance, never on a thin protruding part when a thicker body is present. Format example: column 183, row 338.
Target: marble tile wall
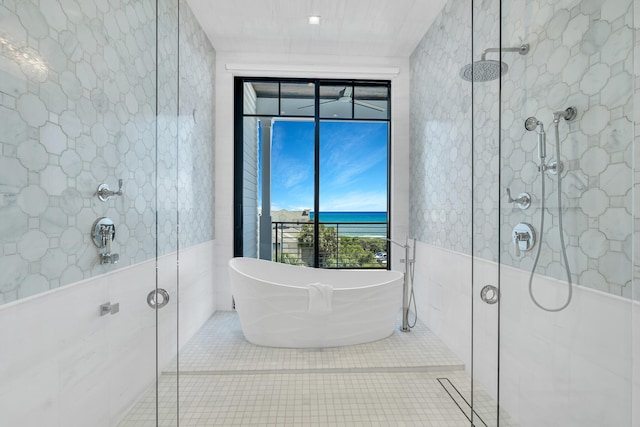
column 78, row 109
column 581, row 55
column 563, row 370
column 196, row 128
column 440, row 138
column 85, row 369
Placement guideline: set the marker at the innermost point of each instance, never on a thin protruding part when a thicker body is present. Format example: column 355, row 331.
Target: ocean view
column 359, row 222
column 350, row 216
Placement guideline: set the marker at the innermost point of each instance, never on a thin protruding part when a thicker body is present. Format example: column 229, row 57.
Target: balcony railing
column 342, row 244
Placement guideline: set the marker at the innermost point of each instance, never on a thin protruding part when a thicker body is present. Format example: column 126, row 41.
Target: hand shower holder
column 553, row 168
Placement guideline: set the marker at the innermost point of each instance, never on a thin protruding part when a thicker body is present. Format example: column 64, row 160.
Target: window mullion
column 316, row 177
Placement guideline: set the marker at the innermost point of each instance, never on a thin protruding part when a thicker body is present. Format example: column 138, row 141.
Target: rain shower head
column 488, row 69
column 483, row 70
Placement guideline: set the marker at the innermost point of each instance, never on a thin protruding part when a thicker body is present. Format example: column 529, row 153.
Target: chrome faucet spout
column 396, row 243
column 407, row 289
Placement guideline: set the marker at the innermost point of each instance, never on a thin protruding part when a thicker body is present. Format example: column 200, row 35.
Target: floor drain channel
column 461, row 403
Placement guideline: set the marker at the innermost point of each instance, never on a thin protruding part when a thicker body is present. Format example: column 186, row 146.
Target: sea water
column 355, row 223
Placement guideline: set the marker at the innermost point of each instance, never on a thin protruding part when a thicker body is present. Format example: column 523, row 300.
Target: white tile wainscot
column 62, row 364
column 565, row 369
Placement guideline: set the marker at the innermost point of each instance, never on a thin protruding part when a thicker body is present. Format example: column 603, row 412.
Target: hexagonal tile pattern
column 581, row 55
column 80, row 111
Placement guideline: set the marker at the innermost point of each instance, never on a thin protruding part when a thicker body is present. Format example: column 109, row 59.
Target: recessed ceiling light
column 314, row 20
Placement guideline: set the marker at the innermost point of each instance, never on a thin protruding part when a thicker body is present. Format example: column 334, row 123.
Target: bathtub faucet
column 405, row 285
column 396, row 243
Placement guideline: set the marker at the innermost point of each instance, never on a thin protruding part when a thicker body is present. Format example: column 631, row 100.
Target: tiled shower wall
column 581, row 55
column 78, row 109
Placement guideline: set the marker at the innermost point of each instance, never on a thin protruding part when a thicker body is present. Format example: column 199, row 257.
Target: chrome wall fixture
column 524, row 238
column 103, row 233
column 488, row 69
column 104, row 193
column 490, row 294
column 158, row 298
column 407, row 290
column 553, row 168
column 108, row 308
column 523, row 200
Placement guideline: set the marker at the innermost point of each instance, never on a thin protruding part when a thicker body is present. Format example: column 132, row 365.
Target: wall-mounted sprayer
column 532, row 124
column 555, row 167
column 104, row 193
column 103, row 233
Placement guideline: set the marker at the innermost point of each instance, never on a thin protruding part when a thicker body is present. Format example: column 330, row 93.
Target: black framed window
column 312, row 171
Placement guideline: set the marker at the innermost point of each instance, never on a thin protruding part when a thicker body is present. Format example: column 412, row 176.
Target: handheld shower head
column 532, row 124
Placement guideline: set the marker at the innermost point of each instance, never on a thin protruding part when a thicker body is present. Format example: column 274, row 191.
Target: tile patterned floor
column 220, row 346
column 226, row 381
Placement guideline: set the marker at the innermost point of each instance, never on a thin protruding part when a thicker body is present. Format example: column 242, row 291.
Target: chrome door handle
column 158, row 298
column 490, row 294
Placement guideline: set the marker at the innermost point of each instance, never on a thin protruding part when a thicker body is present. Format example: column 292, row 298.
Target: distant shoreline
column 350, row 212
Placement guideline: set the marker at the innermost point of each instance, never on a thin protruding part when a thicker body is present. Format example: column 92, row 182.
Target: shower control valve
column 524, row 238
column 523, row 200
column 104, row 193
column 103, row 233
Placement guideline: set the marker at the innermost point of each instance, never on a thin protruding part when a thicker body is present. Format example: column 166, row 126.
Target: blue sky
column 353, row 166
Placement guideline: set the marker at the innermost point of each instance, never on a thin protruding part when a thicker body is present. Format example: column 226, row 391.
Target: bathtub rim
column 237, row 260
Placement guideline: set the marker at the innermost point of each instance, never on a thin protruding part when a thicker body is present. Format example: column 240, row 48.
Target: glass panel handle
column 158, row 298
column 490, row 294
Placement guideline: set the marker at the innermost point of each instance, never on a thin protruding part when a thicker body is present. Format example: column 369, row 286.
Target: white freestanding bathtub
column 282, row 305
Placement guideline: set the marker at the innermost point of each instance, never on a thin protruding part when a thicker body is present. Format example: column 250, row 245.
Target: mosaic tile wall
column 581, row 55
column 440, row 144
column 77, row 109
column 196, row 197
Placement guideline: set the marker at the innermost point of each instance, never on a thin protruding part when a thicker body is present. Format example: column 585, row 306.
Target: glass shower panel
column 78, row 99
column 565, row 320
column 442, row 162
column 165, row 183
column 88, row 131
column 482, row 73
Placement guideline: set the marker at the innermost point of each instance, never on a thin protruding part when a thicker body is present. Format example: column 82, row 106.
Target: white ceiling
column 379, row 28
